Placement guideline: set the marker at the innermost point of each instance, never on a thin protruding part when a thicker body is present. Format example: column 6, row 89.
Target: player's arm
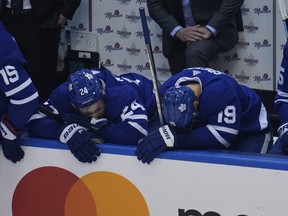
column 131, row 125
column 281, row 99
column 215, row 128
column 21, row 93
column 208, row 137
column 43, row 126
column 126, row 127
column 79, row 140
column 167, row 137
column 15, row 83
column 281, row 103
column 223, row 113
column 22, row 99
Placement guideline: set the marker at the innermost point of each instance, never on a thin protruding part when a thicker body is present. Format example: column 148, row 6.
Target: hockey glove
column 277, row 148
column 154, row 143
column 9, row 141
column 283, row 137
column 80, row 142
column 93, row 124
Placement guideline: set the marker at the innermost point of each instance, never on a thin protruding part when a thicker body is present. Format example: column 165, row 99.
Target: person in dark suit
column 37, row 30
column 196, row 31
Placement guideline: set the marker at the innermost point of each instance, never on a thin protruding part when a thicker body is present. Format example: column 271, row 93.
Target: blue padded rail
column 214, row 157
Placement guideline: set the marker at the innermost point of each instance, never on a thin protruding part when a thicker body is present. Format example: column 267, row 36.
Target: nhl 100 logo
column 193, row 212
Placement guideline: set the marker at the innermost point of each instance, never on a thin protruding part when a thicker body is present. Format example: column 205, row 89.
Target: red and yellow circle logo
column 53, row 191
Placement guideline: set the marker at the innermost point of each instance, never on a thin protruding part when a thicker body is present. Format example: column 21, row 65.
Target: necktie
column 179, row 12
column 16, row 6
column 189, row 20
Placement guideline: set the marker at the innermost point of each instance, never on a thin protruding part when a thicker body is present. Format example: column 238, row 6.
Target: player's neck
column 196, row 88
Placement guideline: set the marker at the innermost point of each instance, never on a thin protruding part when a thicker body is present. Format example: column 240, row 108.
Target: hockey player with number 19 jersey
column 206, row 109
column 18, row 96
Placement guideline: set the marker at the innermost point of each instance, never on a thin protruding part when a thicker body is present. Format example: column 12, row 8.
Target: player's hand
column 281, row 144
column 81, row 142
column 154, row 143
column 9, row 141
column 284, row 139
column 283, row 136
column 278, row 148
column 93, row 124
column 12, row 150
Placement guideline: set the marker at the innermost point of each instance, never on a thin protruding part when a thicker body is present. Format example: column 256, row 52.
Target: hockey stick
column 284, row 15
column 146, row 33
column 49, row 113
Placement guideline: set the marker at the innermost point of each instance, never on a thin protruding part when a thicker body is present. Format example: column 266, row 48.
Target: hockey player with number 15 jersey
column 18, row 96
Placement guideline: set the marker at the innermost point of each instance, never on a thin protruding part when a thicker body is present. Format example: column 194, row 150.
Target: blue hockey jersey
column 130, row 103
column 18, row 95
column 226, row 109
column 281, row 99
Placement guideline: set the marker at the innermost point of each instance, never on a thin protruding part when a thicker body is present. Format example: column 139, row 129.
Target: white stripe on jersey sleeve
column 25, row 100
column 282, row 100
column 37, row 116
column 138, row 127
column 282, row 94
column 135, row 117
column 19, row 88
column 218, row 136
column 225, row 129
column 263, row 117
column 54, row 110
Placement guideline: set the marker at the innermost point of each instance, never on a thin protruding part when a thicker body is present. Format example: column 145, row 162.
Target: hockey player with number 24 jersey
column 98, row 106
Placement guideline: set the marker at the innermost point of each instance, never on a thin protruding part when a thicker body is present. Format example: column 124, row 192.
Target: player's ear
column 196, row 103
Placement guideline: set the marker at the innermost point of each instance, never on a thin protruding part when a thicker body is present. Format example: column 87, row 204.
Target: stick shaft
column 151, row 62
column 49, row 113
column 284, row 15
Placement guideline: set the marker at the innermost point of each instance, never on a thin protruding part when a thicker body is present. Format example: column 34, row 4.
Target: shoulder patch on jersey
column 196, row 72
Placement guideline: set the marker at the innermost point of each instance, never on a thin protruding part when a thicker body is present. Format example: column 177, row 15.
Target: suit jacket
column 47, row 12
column 223, row 15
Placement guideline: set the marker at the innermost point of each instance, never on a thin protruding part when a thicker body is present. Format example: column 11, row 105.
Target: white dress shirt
column 26, row 4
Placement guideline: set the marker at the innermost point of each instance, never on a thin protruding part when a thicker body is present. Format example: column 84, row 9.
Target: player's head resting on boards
column 87, row 93
column 179, row 110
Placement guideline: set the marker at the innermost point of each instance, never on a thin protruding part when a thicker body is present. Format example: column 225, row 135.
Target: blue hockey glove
column 154, row 143
column 12, row 150
column 280, row 147
column 9, row 141
column 93, row 124
column 80, row 142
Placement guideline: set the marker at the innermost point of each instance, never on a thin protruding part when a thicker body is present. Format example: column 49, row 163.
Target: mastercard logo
column 54, row 191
